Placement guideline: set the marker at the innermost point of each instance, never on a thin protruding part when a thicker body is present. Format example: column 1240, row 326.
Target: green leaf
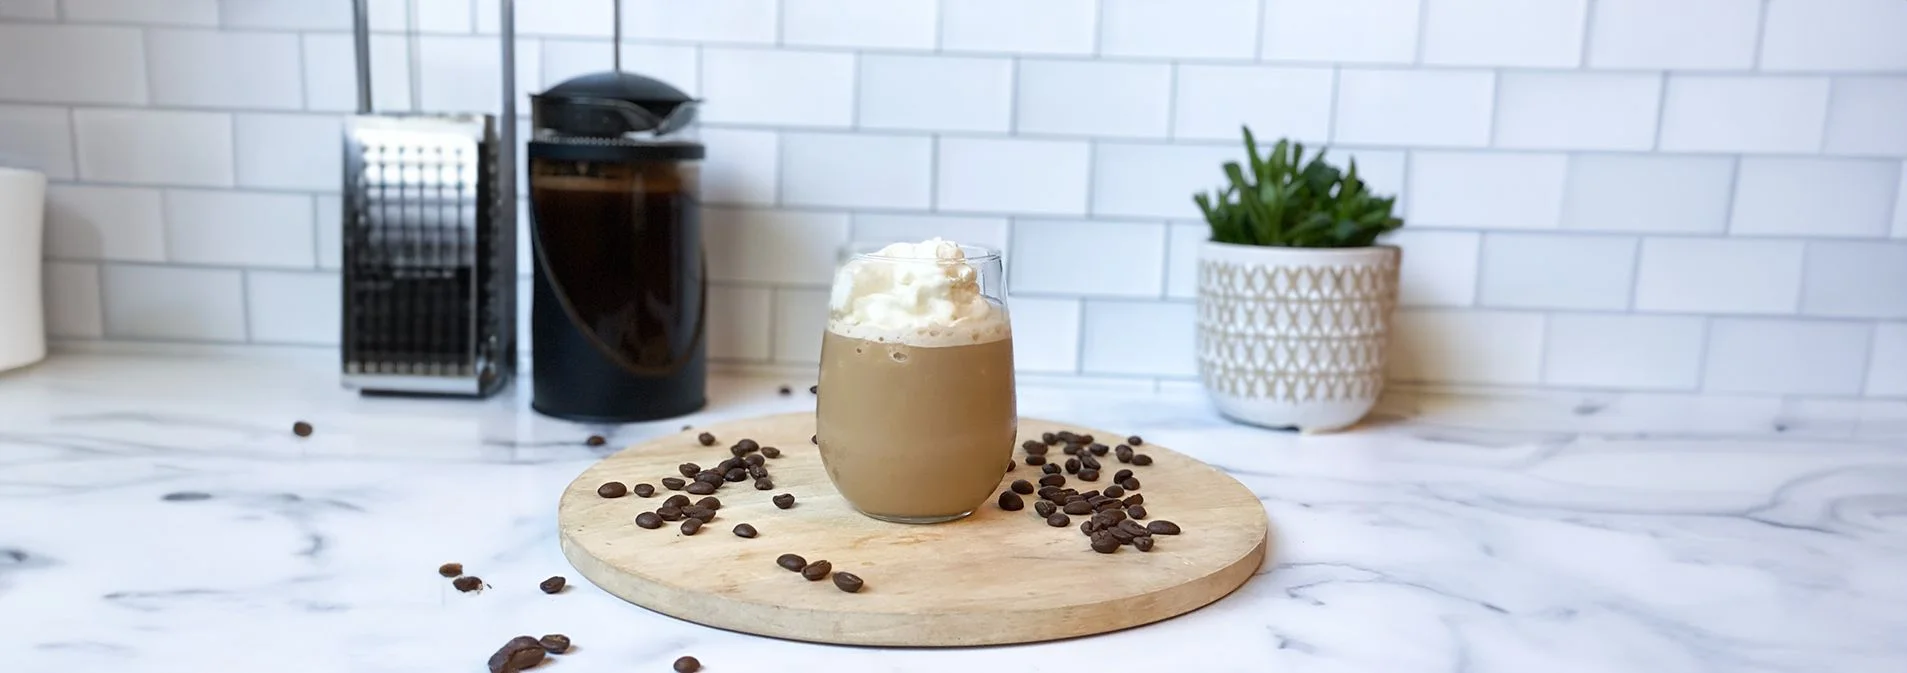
column 1284, row 198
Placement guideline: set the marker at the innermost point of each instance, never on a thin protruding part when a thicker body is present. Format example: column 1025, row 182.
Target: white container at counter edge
column 22, row 315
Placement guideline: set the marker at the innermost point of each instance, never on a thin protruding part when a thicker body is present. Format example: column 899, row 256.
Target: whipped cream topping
column 920, row 294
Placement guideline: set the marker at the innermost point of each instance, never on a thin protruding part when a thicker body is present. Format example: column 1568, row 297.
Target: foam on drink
column 919, row 294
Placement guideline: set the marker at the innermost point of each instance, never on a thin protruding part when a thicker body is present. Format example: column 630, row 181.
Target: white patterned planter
column 1295, row 337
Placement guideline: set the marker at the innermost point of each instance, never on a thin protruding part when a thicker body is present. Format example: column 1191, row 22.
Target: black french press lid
column 588, row 116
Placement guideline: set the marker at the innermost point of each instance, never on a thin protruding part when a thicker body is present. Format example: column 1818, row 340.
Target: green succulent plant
column 1285, row 201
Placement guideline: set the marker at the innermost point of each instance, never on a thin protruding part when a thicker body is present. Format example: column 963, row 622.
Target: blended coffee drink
column 917, row 414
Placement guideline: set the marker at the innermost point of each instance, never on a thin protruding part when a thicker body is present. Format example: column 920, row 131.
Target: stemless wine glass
column 916, row 416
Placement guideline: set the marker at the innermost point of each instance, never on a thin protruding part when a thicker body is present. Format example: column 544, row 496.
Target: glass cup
column 916, row 416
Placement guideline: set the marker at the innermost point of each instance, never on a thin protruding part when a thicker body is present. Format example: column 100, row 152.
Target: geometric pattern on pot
column 1295, row 333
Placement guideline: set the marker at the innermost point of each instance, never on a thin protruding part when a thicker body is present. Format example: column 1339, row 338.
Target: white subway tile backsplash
column 801, row 319
column 1680, row 35
column 1414, row 107
column 1648, row 193
column 462, row 74
column 446, row 16
column 1624, row 351
column 290, row 151
column 330, row 208
column 331, row 74
column 791, row 88
column 288, row 14
column 1184, row 29
column 1855, row 280
column 1096, row 98
column 110, row 223
column 880, row 24
column 1761, row 356
column 1744, row 114
column 677, row 65
column 209, row 68
column 1814, row 197
column 1347, row 31
column 739, row 321
column 1046, row 27
column 769, row 246
column 154, row 147
column 936, row 93
column 728, row 21
column 888, row 228
column 40, row 138
column 857, row 170
column 561, row 18
column 742, row 166
column 1865, row 116
column 294, row 307
column 1691, row 275
column 1887, row 368
column 1522, row 33
column 1491, row 191
column 1214, row 101
column 1012, row 176
column 1182, row 243
column 1835, row 35
column 173, row 304
column 1131, row 254
column 1157, row 180
column 1487, row 347
column 1139, row 338
column 1045, row 334
column 70, row 293
column 1439, row 267
column 41, row 10
column 1560, row 271
column 96, row 64
column 240, row 229
column 1900, row 205
column 155, row 12
column 1589, row 111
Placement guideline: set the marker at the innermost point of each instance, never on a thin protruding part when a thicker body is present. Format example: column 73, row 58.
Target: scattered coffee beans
column 1022, row 486
column 1050, row 469
column 677, row 501
column 701, row 488
column 1122, row 535
column 1087, row 528
column 1088, row 474
column 553, row 584
column 1087, row 461
column 669, row 513
column 1130, row 483
column 785, row 390
column 784, row 501
column 754, row 460
column 1011, row 464
column 467, row 583
column 1135, row 441
column 747, row 445
column 1115, row 491
column 713, row 477
column 744, row 530
column 644, row 490
column 1049, row 438
column 1114, row 515
column 730, row 464
column 1058, row 520
column 1106, row 504
column 1052, row 480
column 738, row 452
column 773, row 452
column 1136, row 511
column 1070, row 449
column 1011, row 501
column 672, row 483
column 555, row 643
column 1036, row 459
column 814, row 389
column 1141, row 459
column 520, row 653
column 301, row 429
column 1065, row 435
column 1105, row 544
column 791, row 562
column 849, row 582
column 710, row 502
column 1162, row 527
column 706, row 439
column 1135, row 528
column 687, row 665
column 1142, row 543
column 1098, row 449
column 613, row 489
column 1032, row 447
column 737, row 474
column 1135, row 499
column 1077, row 507
column 649, row 520
column 691, row 526
column 764, row 484
column 450, row 569
column 1090, row 495
column 595, row 440
column 813, row 572
column 757, row 471
column 1072, row 466
column 689, row 469
column 1045, row 508
column 1121, row 475
column 699, row 512
column 1084, row 439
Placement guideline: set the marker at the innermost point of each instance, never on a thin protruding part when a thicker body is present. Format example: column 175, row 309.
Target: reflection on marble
column 156, row 514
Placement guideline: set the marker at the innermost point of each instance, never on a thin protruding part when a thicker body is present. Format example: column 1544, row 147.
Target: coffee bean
column 1048, row 438
column 1115, row 514
column 301, row 429
column 649, row 520
column 1070, row 449
column 667, row 513
column 1136, row 511
column 612, row 489
column 1052, row 480
column 1031, row 446
column 813, row 572
column 1045, row 508
column 1135, row 499
column 1097, row 449
column 737, row 474
column 738, row 452
column 553, row 584
column 1142, row 543
column 1036, row 459
column 1123, row 457
column 1065, row 435
column 645, row 490
column 1077, row 507
column 814, row 389
column 1115, row 491
column 814, row 439
column 764, row 484
column 784, row 501
column 1011, row 501
column 555, row 643
column 1011, row 464
column 699, row 512
column 595, row 440
column 748, row 445
column 1085, row 439
column 754, row 460
column 711, row 502
column 744, row 530
column 1072, row 466
column 1130, row 483
column 687, row 665
column 1058, row 520
column 689, row 469
column 1086, row 460
column 1141, row 459
column 706, row 439
column 520, row 653
column 1050, row 469
column 773, row 452
column 1135, row 528
column 701, row 488
column 1022, row 486
column 785, row 390
column 677, row 501
column 450, row 569
column 732, row 464
column 672, row 483
column 1122, row 535
column 757, row 471
column 1087, row 528
column 1089, row 495
column 711, row 477
column 691, row 526
column 1106, row 544
column 1121, row 475
column 1109, row 504
column 467, row 583
column 1135, row 441
column 791, row 562
column 849, row 582
column 1162, row 527
column 1089, row 474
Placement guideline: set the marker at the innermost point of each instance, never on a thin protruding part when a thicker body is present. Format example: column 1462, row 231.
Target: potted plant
column 1294, row 292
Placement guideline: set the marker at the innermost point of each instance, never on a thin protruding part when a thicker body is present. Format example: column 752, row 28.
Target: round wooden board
column 994, row 577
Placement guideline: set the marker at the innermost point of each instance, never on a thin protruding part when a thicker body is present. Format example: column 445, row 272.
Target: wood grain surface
column 994, row 577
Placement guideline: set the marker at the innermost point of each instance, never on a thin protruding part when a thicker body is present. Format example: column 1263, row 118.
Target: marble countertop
column 1479, row 531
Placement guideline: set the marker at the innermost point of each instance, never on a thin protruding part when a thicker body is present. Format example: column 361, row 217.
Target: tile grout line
column 1701, row 365
column 1728, row 210
column 1589, row 32
column 1635, row 276
column 245, row 301
column 1423, row 22
column 1867, row 362
column 933, row 175
column 1172, row 101
column 1331, row 122
column 1258, row 34
column 1542, row 349
column 1761, row 35
column 774, row 321
column 1661, row 111
column 1013, row 99
column 1079, row 340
